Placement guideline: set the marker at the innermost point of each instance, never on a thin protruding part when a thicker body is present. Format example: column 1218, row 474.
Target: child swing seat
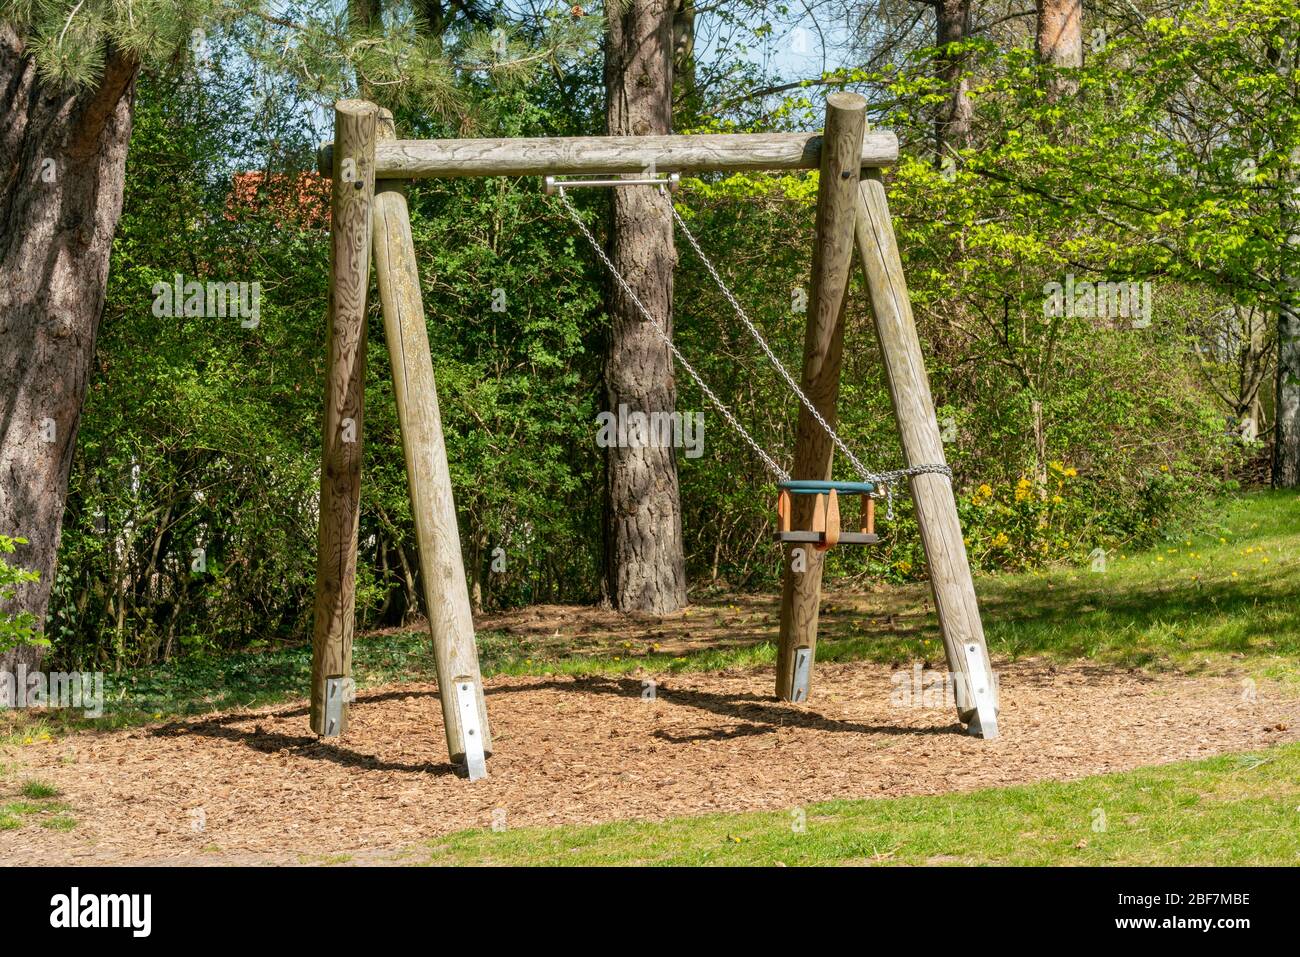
column 826, row 531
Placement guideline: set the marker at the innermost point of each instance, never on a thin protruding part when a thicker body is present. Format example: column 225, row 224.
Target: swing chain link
column 762, row 343
column 880, row 478
column 885, row 479
column 667, row 339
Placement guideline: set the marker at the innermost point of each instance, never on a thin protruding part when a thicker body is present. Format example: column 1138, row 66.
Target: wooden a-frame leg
column 936, row 508
column 841, row 159
column 340, row 475
column 442, row 568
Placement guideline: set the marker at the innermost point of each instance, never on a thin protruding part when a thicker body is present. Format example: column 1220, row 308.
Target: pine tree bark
column 645, row 563
column 1059, row 41
column 953, row 127
column 63, row 157
column 1286, row 409
column 1286, row 412
column 684, row 63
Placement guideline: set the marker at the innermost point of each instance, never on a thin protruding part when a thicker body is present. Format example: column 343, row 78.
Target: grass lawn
column 1241, row 809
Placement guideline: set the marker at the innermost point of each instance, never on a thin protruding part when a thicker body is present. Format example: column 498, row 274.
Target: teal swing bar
column 809, row 487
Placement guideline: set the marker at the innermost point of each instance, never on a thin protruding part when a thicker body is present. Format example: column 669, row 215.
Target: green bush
column 20, row 627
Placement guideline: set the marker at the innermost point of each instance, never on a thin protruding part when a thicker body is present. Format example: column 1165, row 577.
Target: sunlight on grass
column 1231, row 591
column 1231, row 810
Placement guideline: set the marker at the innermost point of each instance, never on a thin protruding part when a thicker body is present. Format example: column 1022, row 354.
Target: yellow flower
column 1057, row 500
column 1071, row 472
column 1164, row 468
column 1000, row 540
column 1023, row 488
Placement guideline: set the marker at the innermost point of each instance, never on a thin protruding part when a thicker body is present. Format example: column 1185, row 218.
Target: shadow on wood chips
column 256, row 786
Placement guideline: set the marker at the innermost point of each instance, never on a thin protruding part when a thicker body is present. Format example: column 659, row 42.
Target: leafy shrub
column 16, row 628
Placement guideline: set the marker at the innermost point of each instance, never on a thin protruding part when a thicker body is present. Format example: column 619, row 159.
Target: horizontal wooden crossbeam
column 575, row 155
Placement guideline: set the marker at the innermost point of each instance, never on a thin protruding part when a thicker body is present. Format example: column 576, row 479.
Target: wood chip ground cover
column 256, row 786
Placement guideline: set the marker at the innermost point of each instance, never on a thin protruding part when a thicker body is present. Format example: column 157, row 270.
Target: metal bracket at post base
column 979, row 672
column 336, row 698
column 471, row 730
column 802, row 674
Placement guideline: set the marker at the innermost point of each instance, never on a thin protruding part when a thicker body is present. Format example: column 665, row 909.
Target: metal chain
column 887, row 479
column 880, row 478
column 667, row 340
column 861, row 469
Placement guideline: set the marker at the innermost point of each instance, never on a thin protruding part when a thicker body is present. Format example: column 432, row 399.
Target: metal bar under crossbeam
column 672, row 181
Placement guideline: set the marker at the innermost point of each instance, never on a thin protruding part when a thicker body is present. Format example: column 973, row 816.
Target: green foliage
column 16, row 628
column 199, row 434
column 400, row 59
column 404, row 61
column 69, row 39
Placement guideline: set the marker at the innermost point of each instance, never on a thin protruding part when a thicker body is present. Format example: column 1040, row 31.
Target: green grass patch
column 1230, row 591
column 38, row 790
column 38, row 810
column 1233, row 810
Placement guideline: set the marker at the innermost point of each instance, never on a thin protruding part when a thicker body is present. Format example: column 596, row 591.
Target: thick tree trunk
column 952, row 128
column 1286, row 414
column 1059, row 38
column 645, row 565
column 688, row 94
column 63, row 161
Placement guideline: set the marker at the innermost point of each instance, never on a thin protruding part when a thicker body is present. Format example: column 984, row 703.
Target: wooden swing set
column 369, row 168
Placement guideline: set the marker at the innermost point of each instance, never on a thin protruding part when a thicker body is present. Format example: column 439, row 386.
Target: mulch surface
column 588, row 750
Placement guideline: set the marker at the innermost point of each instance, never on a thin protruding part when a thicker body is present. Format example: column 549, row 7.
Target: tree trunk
column 688, row 93
column 1040, row 441
column 1286, row 413
column 1059, row 38
column 63, row 156
column 953, row 127
column 645, row 565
